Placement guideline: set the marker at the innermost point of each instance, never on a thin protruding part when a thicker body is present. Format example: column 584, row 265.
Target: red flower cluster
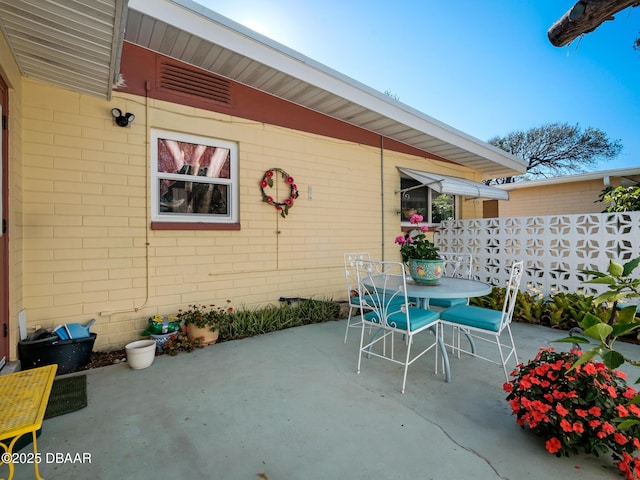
column 577, row 409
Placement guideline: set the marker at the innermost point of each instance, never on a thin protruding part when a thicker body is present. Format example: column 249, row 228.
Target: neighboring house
column 119, row 223
column 567, row 194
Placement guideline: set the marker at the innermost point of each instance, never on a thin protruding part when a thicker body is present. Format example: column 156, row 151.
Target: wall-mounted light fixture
column 122, row 120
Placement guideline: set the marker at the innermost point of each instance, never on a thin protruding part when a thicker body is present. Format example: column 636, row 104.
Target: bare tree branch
column 584, row 17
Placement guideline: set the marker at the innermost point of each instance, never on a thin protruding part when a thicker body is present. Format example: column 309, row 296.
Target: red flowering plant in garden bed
column 583, row 408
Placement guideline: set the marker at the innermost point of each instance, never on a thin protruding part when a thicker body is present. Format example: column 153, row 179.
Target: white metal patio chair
column 351, row 276
column 486, row 324
column 456, row 265
column 389, row 312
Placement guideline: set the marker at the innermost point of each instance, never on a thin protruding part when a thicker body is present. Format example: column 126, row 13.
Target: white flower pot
column 140, row 354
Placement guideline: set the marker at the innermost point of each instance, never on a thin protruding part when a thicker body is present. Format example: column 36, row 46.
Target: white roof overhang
column 454, row 185
column 89, row 35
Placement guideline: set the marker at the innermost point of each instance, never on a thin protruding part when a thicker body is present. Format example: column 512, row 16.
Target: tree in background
column 556, row 149
column 621, row 199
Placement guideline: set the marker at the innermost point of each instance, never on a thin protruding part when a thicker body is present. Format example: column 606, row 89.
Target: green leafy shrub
column 180, row 342
column 251, row 322
column 561, row 310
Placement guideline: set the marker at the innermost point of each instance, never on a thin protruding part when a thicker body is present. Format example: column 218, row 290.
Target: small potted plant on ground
column 204, row 322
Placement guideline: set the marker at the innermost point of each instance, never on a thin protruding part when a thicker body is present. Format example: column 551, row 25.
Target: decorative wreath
column 267, row 182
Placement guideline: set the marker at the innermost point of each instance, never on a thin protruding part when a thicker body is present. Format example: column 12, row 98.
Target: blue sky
column 483, row 67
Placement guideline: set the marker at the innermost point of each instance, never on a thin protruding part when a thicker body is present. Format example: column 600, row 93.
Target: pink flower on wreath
column 269, row 174
column 264, row 184
column 288, row 202
column 289, row 180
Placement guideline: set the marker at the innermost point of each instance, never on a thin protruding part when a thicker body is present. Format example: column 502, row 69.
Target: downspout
column 382, row 193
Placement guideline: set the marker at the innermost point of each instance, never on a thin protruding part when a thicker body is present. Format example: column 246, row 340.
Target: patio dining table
column 447, row 287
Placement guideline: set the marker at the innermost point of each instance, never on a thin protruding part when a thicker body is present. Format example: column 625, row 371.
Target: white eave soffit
column 454, row 185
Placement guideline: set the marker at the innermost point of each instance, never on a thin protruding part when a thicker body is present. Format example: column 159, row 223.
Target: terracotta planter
column 425, row 272
column 409, row 213
column 205, row 333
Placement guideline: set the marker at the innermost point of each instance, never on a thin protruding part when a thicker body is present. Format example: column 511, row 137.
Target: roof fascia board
column 196, row 19
column 579, row 177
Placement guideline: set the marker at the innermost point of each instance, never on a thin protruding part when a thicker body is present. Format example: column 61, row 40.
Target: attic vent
column 181, row 79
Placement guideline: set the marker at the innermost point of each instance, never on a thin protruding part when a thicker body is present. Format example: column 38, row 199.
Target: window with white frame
column 433, row 206
column 194, row 179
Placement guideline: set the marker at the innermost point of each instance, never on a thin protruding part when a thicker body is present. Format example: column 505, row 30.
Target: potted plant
column 421, row 255
column 204, row 322
column 575, row 406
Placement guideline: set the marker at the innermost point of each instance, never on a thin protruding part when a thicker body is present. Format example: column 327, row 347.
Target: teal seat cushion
column 447, row 302
column 624, row 305
column 418, row 318
column 472, row 316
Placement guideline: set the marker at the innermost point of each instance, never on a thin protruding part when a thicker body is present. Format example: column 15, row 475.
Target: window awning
column 454, row 185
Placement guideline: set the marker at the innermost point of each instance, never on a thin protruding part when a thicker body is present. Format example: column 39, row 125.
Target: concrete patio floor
column 289, row 405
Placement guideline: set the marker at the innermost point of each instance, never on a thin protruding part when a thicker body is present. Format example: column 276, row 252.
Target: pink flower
column 594, row 423
column 400, row 240
column 553, row 445
column 622, row 411
column 566, row 426
column 607, row 428
column 289, row 180
column 416, row 218
column 629, row 393
column 619, row 438
column 424, row 228
column 269, row 174
column 264, row 184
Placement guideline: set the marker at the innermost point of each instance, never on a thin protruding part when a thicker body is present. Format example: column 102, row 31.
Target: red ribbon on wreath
column 267, row 182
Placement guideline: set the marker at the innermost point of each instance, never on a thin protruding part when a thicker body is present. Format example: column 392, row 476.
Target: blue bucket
column 69, row 331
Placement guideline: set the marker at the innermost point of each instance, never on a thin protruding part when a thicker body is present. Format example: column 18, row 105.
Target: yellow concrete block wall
column 89, row 251
column 557, row 199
